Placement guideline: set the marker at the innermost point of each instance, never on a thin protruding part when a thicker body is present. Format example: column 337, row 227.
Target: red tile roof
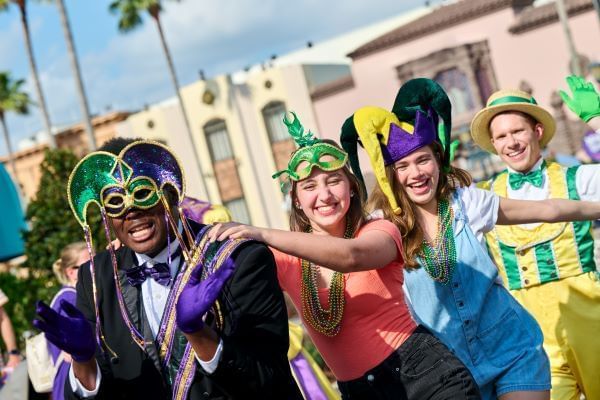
column 438, row 19
column 535, row 17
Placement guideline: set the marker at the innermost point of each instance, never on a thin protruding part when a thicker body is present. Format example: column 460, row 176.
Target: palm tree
column 22, row 4
column 129, row 12
column 83, row 103
column 12, row 99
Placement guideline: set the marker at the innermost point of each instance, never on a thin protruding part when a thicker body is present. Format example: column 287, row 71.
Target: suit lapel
column 131, row 294
column 132, row 297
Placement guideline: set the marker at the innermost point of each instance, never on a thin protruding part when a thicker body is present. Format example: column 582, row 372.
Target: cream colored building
column 239, row 138
column 236, row 123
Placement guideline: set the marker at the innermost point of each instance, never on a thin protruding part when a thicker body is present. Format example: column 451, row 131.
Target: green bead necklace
column 439, row 257
column 326, row 321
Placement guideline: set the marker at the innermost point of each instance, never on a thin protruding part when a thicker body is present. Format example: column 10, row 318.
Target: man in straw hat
column 549, row 268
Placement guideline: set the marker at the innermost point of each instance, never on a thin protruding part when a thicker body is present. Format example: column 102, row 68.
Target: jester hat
column 309, row 154
column 390, row 136
column 135, row 177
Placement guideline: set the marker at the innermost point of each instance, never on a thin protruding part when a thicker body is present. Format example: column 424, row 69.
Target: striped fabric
column 548, row 252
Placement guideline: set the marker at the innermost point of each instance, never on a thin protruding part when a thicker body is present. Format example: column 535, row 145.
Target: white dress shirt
column 154, row 297
column 587, row 181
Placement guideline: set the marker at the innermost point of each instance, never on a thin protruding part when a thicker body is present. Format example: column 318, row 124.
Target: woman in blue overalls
column 453, row 285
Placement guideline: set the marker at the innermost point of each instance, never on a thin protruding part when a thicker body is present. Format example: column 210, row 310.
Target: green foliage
column 129, row 12
column 22, row 294
column 52, row 224
column 12, row 98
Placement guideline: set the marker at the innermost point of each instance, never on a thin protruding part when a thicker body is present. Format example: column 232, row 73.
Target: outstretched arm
column 371, row 250
column 255, row 329
column 514, row 212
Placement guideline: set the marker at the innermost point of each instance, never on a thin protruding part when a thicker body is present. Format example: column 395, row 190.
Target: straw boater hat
column 509, row 100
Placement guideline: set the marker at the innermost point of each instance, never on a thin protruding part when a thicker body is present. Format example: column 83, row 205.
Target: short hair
column 117, row 144
column 530, row 119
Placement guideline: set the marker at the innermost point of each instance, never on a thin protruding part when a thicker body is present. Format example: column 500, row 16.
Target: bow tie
column 516, row 180
column 160, row 272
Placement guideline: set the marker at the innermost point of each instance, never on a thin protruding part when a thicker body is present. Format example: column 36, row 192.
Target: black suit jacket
column 253, row 363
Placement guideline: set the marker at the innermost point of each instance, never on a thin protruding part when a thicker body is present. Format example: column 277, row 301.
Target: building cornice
column 535, row 17
column 333, row 87
column 437, row 20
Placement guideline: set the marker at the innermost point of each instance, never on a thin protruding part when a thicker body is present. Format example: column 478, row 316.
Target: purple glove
column 197, row 296
column 71, row 332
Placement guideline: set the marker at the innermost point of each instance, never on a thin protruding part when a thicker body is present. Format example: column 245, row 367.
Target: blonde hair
column 68, row 259
column 406, row 221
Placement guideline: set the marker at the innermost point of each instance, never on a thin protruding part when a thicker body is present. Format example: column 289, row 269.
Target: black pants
column 421, row 368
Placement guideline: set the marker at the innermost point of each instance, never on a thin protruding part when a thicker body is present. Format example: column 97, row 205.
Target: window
column 218, row 140
column 273, row 114
column 238, row 209
column 456, row 84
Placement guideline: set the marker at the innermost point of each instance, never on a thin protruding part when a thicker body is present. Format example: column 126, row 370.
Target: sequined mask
column 312, row 153
column 116, row 183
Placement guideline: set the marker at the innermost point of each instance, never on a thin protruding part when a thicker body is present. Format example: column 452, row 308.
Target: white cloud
column 217, row 36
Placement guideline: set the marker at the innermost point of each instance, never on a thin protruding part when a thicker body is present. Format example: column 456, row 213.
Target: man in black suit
column 156, row 338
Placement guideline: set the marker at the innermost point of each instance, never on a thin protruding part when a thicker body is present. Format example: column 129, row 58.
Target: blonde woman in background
column 65, row 269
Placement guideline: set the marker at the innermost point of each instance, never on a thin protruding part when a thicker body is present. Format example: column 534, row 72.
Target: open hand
column 235, row 230
column 197, row 297
column 71, row 332
column 585, row 101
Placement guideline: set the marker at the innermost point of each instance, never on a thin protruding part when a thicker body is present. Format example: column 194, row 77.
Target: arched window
column 273, row 114
column 225, row 169
column 218, row 140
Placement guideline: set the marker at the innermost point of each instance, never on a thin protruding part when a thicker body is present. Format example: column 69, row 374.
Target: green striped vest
column 548, row 252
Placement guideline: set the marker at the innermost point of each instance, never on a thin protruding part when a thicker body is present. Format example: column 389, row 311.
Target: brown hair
column 68, row 259
column 406, row 221
column 529, row 118
column 355, row 216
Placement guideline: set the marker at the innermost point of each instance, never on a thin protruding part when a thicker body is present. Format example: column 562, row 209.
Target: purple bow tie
column 160, row 272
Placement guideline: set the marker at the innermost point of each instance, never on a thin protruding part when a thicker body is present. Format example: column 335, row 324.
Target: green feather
column 296, row 131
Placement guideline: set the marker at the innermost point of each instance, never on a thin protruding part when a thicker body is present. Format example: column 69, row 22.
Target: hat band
column 512, row 99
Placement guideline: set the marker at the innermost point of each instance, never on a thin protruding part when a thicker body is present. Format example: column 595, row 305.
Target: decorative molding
column 331, row 88
column 536, row 17
column 437, row 20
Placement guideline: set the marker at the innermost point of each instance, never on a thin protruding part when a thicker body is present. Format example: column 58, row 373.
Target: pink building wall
column 539, row 57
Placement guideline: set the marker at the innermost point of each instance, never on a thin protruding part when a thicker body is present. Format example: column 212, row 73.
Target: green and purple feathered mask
column 309, row 155
column 134, row 178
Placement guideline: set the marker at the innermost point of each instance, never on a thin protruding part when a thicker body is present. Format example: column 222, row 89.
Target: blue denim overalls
column 478, row 319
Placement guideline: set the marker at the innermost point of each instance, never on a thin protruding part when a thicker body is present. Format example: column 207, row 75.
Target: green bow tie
column 516, row 180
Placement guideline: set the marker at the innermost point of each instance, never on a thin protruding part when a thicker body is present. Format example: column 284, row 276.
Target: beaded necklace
column 439, row 257
column 327, row 321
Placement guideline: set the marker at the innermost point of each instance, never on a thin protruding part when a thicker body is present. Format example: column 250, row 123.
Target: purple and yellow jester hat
column 115, row 183
column 390, row 136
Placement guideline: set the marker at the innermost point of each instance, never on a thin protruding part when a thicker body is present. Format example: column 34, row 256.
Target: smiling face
column 419, row 174
column 143, row 231
column 516, row 139
column 324, row 197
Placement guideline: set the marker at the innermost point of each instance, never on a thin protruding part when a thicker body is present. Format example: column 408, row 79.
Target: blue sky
column 126, row 71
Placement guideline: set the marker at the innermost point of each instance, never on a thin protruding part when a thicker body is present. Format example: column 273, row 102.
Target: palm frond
column 12, row 97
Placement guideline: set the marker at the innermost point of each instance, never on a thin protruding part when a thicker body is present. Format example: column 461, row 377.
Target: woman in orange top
column 355, row 312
